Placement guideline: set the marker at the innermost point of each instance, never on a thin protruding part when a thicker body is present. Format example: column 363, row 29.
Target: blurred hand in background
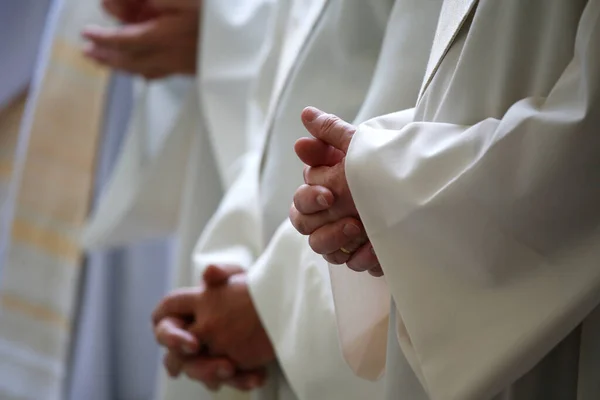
column 157, row 38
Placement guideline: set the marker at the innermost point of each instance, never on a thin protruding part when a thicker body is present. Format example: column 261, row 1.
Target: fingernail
column 322, row 201
column 351, row 230
column 311, row 113
column 187, row 350
column 224, row 373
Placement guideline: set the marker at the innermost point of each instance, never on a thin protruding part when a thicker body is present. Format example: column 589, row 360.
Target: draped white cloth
column 258, row 61
column 485, row 220
column 326, row 57
column 114, row 354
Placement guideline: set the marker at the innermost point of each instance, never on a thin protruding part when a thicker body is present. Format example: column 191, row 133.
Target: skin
column 323, row 208
column 143, row 45
column 220, row 314
column 156, row 38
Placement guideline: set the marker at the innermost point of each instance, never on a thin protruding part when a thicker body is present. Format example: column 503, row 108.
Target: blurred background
column 73, row 324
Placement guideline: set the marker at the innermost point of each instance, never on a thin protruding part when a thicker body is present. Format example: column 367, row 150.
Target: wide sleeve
column 488, row 234
column 291, row 291
column 142, row 197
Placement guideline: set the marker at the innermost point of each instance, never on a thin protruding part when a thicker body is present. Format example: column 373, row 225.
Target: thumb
column 328, row 128
column 215, row 275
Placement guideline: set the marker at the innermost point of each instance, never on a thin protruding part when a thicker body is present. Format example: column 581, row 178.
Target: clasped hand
column 323, row 207
column 213, row 333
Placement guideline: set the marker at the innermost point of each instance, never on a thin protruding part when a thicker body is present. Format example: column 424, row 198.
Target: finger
column 245, row 381
column 133, row 37
column 337, row 257
column 212, row 371
column 307, row 224
column 376, row 272
column 315, row 152
column 118, row 59
column 172, row 333
column 216, row 275
column 363, row 259
column 180, row 302
column 329, row 128
column 311, row 199
column 332, row 178
column 149, row 65
column 173, row 363
column 347, row 233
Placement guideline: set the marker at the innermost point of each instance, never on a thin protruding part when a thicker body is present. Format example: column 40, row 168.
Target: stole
column 46, row 184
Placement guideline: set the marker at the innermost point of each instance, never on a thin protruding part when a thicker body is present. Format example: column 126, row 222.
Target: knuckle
column 299, row 197
column 330, row 123
column 303, row 226
column 209, row 327
column 299, row 222
column 161, row 329
column 305, row 173
column 293, row 212
column 158, row 313
column 315, row 244
column 219, row 343
column 205, row 330
column 305, row 199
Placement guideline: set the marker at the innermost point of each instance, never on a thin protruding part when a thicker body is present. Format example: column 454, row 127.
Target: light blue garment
column 21, row 27
column 114, row 355
column 26, row 27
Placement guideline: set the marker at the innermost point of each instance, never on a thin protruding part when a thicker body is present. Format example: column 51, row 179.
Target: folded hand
column 204, row 342
column 323, row 208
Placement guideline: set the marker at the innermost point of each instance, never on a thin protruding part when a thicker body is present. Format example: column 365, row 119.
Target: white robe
column 485, row 220
column 258, row 63
column 248, row 53
column 171, row 176
column 328, row 62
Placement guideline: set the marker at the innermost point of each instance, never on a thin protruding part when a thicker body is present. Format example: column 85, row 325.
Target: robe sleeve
column 488, row 233
column 291, row 291
column 143, row 194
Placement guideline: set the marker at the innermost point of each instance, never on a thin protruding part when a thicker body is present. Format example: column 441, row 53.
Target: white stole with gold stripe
column 51, row 188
